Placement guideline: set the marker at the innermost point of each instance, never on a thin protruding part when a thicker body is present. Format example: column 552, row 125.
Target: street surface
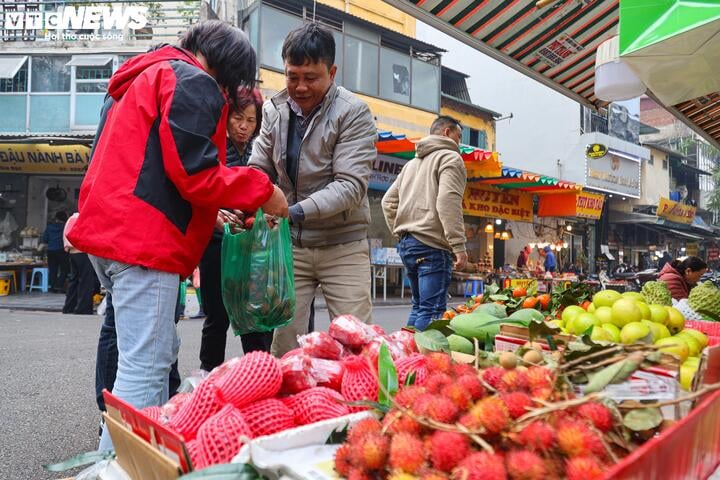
column 47, row 387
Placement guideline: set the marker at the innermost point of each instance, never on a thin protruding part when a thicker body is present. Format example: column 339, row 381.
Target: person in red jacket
column 156, row 179
column 681, row 276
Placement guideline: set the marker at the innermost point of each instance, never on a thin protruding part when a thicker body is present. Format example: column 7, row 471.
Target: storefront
column 39, row 180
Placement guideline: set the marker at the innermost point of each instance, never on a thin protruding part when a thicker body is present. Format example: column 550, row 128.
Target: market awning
column 528, row 182
column 478, row 162
column 9, row 66
column 555, row 45
column 89, row 61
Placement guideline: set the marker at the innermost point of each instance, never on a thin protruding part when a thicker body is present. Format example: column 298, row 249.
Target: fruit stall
column 573, row 384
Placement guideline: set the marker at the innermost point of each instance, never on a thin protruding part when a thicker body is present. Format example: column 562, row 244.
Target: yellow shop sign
column 44, row 158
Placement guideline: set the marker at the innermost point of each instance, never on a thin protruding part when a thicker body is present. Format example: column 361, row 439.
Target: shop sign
column 485, row 201
column 676, row 212
column 596, row 150
column 713, row 253
column 385, row 170
column 44, row 158
column 582, row 205
column 614, row 173
column 692, row 249
column 589, row 205
column 559, row 50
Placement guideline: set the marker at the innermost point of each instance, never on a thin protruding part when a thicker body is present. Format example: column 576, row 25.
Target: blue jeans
column 144, row 301
column 429, row 271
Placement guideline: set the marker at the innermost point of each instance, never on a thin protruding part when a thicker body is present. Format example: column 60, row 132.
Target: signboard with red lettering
column 485, row 201
column 675, row 211
column 559, row 50
column 581, row 205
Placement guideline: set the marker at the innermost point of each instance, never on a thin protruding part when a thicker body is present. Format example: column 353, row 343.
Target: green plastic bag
column 258, row 285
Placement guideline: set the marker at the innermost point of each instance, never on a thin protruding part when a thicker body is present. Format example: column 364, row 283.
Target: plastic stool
column 10, row 275
column 43, row 285
column 473, row 287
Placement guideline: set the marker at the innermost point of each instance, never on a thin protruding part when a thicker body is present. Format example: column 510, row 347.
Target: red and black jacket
column 157, row 174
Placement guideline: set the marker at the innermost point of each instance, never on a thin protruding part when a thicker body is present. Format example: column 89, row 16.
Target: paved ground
column 47, row 406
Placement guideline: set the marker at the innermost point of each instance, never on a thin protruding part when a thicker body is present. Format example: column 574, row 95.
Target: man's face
column 307, row 84
column 455, row 133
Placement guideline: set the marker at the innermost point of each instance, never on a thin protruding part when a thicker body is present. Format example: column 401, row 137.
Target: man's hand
column 461, row 259
column 226, row 216
column 277, row 205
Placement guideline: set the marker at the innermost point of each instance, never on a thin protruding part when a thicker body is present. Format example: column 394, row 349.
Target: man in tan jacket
column 423, row 208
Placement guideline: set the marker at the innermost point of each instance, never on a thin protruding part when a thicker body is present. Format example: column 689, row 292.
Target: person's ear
column 333, row 72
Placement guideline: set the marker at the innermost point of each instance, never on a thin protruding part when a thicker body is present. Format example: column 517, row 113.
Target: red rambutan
column 447, row 449
column 471, row 383
column 524, row 465
column 576, row 439
column 363, row 428
column 406, row 396
column 343, row 462
column 517, row 403
column 358, row 474
column 436, row 381
column 583, row 468
column 598, row 414
column 513, row 381
column 537, row 436
column 439, row 362
column 458, row 395
column 396, row 422
column 489, row 413
column 460, row 369
column 539, row 377
column 492, row 376
column 441, row 409
column 406, row 453
column 481, row 466
column 371, row 452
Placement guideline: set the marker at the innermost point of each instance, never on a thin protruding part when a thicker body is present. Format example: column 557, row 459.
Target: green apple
column 625, row 311
column 635, row 332
column 659, row 314
column 613, row 330
column 571, row 312
column 645, row 309
column 606, row 298
column 674, row 346
column 676, row 321
column 582, row 322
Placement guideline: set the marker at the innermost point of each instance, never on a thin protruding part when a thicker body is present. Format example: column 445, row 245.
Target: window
column 50, row 74
column 474, row 138
column 394, row 75
column 425, row 85
column 338, row 56
column 275, row 27
column 13, row 93
column 91, row 76
column 252, row 28
column 665, row 164
column 360, row 71
column 652, row 159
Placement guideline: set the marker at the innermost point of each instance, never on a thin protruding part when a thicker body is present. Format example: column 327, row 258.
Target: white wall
column 545, row 124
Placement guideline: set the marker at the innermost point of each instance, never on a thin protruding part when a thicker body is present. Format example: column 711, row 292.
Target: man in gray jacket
column 423, row 208
column 317, row 141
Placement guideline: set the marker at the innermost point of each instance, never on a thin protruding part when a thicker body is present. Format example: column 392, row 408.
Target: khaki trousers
column 343, row 273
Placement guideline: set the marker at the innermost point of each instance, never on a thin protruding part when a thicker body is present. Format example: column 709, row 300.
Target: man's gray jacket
column 334, row 167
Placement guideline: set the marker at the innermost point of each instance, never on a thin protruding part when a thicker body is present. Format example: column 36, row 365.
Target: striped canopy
column 529, row 182
column 555, row 44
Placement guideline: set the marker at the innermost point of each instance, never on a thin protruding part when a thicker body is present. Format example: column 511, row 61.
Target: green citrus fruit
column 625, row 311
column 606, row 298
column 676, row 321
column 571, row 312
column 635, row 332
column 604, row 314
column 659, row 314
column 674, row 346
column 613, row 331
column 582, row 322
column 645, row 309
column 697, row 335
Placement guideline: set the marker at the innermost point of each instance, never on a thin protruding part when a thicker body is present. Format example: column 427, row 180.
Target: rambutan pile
column 461, row 423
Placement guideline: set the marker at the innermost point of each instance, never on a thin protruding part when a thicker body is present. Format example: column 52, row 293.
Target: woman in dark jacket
column 243, row 125
column 681, row 276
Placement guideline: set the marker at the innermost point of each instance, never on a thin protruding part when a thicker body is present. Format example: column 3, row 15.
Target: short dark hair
column 442, row 122
column 227, row 51
column 245, row 97
column 309, row 43
column 695, row 264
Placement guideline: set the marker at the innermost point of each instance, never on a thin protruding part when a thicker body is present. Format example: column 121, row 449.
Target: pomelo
column 606, row 298
column 625, row 311
column 635, row 332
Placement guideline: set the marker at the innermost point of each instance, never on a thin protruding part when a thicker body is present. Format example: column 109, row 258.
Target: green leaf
column 643, row 419
column 541, row 330
column 491, row 289
column 369, row 404
column 387, row 376
column 228, row 471
column 432, row 340
column 441, row 326
column 410, row 379
column 615, row 373
column 489, row 344
column 338, row 436
column 499, row 298
column 80, row 460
